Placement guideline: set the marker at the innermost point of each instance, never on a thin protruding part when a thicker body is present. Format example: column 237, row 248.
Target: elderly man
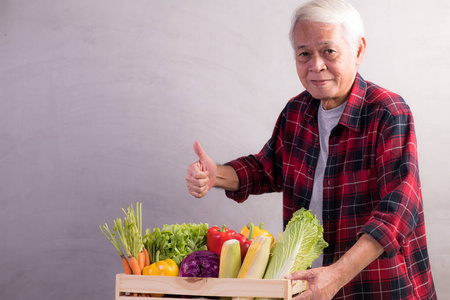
column 346, row 149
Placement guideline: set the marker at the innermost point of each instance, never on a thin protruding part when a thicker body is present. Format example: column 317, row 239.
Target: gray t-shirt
column 327, row 120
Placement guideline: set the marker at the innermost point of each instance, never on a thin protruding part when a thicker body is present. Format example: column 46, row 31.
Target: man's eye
column 303, row 54
column 330, row 51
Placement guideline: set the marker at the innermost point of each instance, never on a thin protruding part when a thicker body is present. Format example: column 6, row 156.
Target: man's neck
column 332, row 103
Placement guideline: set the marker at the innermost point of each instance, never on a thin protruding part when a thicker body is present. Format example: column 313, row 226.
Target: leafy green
column 299, row 245
column 175, row 241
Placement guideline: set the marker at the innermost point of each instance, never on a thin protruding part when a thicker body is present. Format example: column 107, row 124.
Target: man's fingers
column 307, row 275
column 300, row 275
column 197, row 180
column 197, row 191
column 199, row 151
column 195, row 172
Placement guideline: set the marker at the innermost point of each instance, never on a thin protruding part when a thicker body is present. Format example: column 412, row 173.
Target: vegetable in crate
column 230, row 259
column 246, row 241
column 129, row 232
column 111, row 236
column 257, row 257
column 166, row 267
column 217, row 236
column 202, row 263
column 256, row 231
column 299, row 245
column 255, row 261
column 176, row 241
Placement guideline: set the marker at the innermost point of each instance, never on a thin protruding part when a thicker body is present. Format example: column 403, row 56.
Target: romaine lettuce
column 299, row 245
column 175, row 241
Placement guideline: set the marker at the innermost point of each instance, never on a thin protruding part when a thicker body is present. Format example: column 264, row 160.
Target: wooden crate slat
column 222, row 287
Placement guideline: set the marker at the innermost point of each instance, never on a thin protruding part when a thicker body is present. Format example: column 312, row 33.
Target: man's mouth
column 320, row 82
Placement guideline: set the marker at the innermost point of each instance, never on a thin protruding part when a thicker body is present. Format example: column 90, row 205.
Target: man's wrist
column 226, row 178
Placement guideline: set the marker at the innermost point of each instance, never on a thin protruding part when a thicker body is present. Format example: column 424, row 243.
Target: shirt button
column 309, row 172
column 329, row 182
column 316, row 140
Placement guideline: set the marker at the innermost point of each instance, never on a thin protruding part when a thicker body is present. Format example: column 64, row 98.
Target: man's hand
column 325, row 282
column 201, row 175
column 322, row 283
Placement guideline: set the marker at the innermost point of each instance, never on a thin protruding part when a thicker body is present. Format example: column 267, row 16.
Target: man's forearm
column 226, row 178
column 363, row 252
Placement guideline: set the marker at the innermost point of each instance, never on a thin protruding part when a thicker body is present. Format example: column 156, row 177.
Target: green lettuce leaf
column 299, row 245
column 175, row 241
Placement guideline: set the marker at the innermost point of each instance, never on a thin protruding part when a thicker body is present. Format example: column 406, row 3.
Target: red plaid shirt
column 371, row 185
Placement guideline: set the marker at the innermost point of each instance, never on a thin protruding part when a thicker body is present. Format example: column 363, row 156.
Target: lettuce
column 299, row 245
column 175, row 241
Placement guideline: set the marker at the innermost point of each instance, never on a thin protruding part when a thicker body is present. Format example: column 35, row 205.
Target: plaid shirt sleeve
column 397, row 213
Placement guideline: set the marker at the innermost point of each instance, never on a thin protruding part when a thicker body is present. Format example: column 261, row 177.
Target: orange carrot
column 147, row 257
column 134, row 265
column 126, row 265
column 141, row 260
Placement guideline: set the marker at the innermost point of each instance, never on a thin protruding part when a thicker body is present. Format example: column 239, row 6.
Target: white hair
column 332, row 12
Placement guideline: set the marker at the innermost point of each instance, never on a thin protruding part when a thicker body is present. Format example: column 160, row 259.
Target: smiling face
column 325, row 63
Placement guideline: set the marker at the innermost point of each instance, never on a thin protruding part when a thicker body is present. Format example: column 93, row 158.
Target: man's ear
column 361, row 51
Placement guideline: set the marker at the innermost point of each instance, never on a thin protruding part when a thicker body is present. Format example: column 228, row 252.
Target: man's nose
column 317, row 64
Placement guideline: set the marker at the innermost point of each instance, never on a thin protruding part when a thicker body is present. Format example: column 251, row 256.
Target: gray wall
column 101, row 101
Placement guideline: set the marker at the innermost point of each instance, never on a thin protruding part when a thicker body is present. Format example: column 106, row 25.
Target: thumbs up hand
column 201, row 175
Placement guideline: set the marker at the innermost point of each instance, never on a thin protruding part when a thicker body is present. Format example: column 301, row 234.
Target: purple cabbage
column 201, row 263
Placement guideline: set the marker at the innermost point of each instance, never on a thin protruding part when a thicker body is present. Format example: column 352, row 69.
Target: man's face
column 325, row 64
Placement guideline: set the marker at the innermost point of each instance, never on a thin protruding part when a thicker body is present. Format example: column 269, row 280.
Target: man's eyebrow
column 300, row 47
column 326, row 43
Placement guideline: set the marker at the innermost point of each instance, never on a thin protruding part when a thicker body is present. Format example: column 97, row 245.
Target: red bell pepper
column 215, row 237
column 242, row 243
column 245, row 242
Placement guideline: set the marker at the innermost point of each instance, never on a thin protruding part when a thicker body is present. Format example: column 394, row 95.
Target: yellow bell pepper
column 265, row 232
column 167, row 267
column 256, row 231
column 245, row 231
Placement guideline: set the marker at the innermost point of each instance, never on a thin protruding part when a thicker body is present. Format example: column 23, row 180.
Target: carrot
column 141, row 260
column 129, row 234
column 147, row 257
column 111, row 236
column 126, row 265
column 134, row 265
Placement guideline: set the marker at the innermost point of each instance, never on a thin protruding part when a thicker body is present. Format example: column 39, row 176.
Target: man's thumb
column 199, row 151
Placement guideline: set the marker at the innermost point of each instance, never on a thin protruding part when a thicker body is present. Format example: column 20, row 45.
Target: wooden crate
column 173, row 287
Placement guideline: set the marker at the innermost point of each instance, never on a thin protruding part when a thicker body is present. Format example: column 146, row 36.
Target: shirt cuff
column 244, row 182
column 383, row 235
